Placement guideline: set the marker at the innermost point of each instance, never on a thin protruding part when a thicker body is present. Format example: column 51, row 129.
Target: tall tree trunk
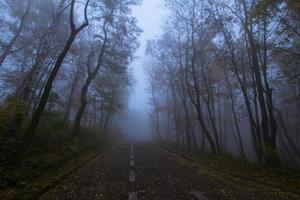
column 254, row 128
column 268, row 122
column 90, row 78
column 157, row 122
column 188, row 125
column 83, row 104
column 175, row 112
column 197, row 102
column 235, row 117
column 71, row 95
column 30, row 132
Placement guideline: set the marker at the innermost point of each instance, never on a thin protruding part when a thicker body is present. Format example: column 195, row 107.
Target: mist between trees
column 224, row 77
column 63, row 67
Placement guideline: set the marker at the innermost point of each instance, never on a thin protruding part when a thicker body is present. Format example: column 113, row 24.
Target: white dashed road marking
column 131, row 163
column 133, row 196
column 131, row 176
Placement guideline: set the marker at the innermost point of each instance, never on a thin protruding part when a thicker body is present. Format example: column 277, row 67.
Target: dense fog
column 220, row 77
column 150, row 99
column 224, row 78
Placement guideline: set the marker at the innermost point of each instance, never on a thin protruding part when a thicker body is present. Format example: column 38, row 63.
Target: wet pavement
column 128, row 171
column 144, row 171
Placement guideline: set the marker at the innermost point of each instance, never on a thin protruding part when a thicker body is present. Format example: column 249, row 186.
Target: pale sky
column 150, row 16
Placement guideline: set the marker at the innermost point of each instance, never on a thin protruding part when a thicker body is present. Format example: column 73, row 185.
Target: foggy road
column 142, row 171
column 139, row 171
column 149, row 100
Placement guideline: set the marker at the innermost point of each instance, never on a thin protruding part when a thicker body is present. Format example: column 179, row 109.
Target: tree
column 221, row 57
column 8, row 48
column 115, row 48
column 29, row 133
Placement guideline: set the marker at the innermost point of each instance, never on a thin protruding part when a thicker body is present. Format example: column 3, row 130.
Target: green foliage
column 271, row 154
column 9, row 111
column 8, row 114
column 237, row 170
column 50, row 152
column 53, row 134
column 53, row 129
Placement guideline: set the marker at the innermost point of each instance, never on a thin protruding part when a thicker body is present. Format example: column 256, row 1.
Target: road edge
column 249, row 180
column 61, row 178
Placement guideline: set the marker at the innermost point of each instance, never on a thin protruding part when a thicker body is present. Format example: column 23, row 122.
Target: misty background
column 215, row 76
column 217, row 81
column 135, row 121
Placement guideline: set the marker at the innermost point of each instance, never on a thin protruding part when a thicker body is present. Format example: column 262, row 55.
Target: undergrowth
column 284, row 179
column 52, row 152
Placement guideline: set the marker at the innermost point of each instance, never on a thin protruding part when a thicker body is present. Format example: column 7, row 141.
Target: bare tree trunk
column 95, row 111
column 191, row 138
column 209, row 101
column 268, row 122
column 30, row 132
column 255, row 129
column 72, row 92
column 83, row 104
column 235, row 117
column 175, row 112
column 168, row 114
column 221, row 132
column 157, row 121
column 90, row 78
column 197, row 102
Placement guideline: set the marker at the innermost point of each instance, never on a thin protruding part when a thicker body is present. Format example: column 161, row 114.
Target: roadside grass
column 52, row 154
column 40, row 171
column 241, row 174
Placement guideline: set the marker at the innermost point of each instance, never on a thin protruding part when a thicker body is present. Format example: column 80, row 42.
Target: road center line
column 132, row 176
column 131, row 163
column 132, row 196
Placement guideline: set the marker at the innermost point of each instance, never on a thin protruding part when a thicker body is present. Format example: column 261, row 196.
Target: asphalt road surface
column 140, row 171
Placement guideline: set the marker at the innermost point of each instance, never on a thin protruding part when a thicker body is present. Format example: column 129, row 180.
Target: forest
column 224, row 77
column 63, row 76
column 223, row 89
column 62, row 61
